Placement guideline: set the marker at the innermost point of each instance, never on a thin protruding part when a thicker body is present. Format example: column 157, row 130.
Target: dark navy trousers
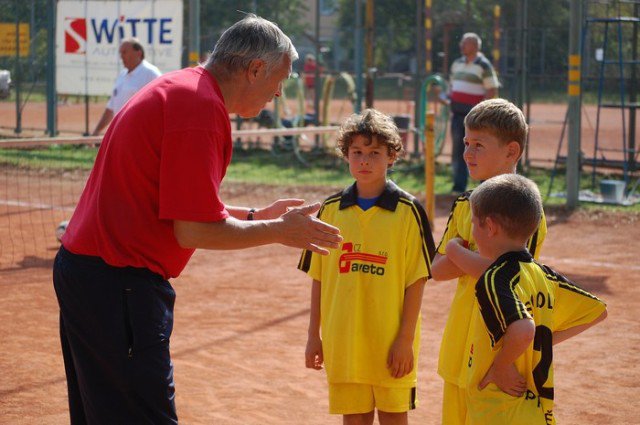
column 115, row 326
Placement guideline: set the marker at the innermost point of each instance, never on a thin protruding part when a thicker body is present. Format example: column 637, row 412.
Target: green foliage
column 264, row 167
column 218, row 15
column 51, row 158
column 394, row 28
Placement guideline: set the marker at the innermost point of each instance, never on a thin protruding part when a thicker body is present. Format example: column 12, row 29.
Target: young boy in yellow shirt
column 522, row 309
column 364, row 323
column 495, row 137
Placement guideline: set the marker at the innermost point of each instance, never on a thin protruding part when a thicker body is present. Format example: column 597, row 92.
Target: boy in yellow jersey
column 495, row 137
column 364, row 323
column 522, row 309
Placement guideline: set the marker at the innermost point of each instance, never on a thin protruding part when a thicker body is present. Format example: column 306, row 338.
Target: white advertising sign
column 88, row 35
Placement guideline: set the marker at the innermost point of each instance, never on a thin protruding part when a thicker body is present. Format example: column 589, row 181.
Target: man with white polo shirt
column 472, row 80
column 136, row 74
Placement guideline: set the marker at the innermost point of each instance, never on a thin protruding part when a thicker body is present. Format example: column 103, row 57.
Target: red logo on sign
column 75, row 36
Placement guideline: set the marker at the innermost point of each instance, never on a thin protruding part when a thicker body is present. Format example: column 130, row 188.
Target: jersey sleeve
column 534, row 245
column 499, row 304
column 451, row 230
column 573, row 305
column 420, row 248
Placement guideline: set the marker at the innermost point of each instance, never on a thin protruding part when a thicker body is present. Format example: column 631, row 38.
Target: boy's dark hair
column 512, row 201
column 372, row 124
column 500, row 117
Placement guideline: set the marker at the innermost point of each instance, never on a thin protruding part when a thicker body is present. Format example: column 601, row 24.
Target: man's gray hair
column 472, row 36
column 251, row 38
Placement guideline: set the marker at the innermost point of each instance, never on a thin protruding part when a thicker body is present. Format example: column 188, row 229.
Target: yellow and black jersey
column 385, row 249
column 452, row 361
column 516, row 287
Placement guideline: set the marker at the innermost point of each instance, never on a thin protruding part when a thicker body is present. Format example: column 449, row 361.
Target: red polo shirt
column 162, row 159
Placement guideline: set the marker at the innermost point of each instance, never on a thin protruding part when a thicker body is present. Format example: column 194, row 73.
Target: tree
column 218, row 15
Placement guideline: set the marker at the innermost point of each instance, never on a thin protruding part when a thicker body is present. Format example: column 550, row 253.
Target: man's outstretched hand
column 300, row 229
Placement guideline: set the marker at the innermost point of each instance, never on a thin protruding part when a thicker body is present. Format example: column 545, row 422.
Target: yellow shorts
column 454, row 404
column 349, row 399
column 491, row 406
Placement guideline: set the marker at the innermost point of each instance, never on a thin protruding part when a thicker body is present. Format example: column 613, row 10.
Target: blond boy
column 495, row 137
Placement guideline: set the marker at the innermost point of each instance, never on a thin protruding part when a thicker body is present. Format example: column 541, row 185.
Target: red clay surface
column 241, row 317
column 241, row 320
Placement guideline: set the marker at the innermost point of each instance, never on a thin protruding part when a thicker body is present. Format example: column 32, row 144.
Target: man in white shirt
column 137, row 73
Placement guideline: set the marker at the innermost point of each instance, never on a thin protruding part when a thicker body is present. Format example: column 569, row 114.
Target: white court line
column 13, row 203
column 553, row 260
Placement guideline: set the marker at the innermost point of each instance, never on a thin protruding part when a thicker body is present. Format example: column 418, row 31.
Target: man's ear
column 256, row 67
column 513, row 149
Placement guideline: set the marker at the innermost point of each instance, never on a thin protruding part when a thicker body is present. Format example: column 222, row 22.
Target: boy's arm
column 401, row 361
column 503, row 373
column 444, row 269
column 313, row 353
column 469, row 262
column 560, row 336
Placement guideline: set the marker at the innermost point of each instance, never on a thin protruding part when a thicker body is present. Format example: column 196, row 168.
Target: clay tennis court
column 241, row 316
column 241, row 319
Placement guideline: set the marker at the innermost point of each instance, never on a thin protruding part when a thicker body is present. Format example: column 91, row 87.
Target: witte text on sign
column 89, row 34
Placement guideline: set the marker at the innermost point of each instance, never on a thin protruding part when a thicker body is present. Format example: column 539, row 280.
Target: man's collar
column 136, row 68
column 388, row 199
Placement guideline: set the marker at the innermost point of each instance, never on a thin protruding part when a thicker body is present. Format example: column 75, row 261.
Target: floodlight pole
column 51, row 69
column 358, row 56
column 575, row 99
column 369, row 60
column 317, row 83
column 194, row 32
column 423, row 58
column 18, row 77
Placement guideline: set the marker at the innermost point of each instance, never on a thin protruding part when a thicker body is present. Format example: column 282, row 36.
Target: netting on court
column 40, row 184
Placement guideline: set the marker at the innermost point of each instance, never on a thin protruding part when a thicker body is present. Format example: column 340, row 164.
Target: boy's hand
column 457, row 241
column 508, row 379
column 313, row 353
column 400, row 361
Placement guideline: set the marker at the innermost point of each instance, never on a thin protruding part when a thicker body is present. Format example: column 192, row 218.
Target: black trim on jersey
column 412, row 401
column 388, row 199
column 494, row 291
column 305, row 261
column 533, row 242
column 428, row 245
column 564, row 282
column 463, row 197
